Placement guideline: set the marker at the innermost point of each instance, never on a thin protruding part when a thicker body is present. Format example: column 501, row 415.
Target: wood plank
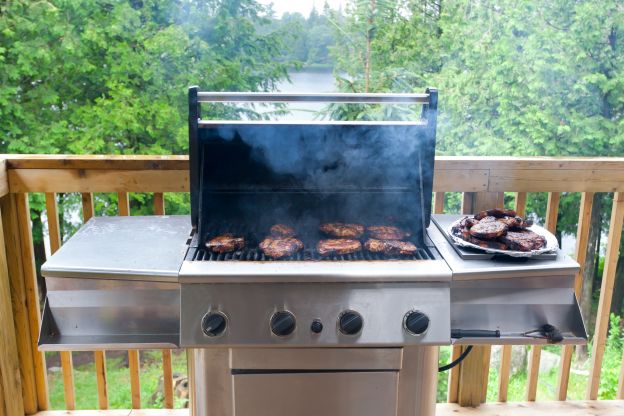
column 32, row 297
column 4, row 178
column 582, row 239
column 550, row 408
column 10, row 380
column 135, row 383
column 504, row 372
column 87, row 206
column 520, row 203
column 160, row 412
column 67, row 366
column 460, row 180
column 93, row 180
column 606, row 294
column 620, row 388
column 471, row 379
column 123, row 203
column 487, row 352
column 466, row 203
column 19, row 303
column 54, row 230
column 100, row 376
column 529, row 163
column 106, row 162
column 556, row 180
column 167, row 379
column 552, row 211
column 453, row 376
column 533, row 372
column 159, row 203
column 438, row 203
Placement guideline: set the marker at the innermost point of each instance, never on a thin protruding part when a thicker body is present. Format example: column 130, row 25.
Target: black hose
column 457, row 361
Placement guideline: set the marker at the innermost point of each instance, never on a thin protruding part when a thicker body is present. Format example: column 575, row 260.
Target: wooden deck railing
column 482, row 182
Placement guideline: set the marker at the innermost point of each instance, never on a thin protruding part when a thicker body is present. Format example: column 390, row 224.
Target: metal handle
column 352, row 98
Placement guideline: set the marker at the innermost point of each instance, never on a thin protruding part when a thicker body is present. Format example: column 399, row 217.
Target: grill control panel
column 311, row 314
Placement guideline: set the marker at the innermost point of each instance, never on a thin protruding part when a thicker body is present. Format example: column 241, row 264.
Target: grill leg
column 418, row 381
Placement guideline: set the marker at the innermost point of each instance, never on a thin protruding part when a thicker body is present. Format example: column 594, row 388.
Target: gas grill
column 354, row 334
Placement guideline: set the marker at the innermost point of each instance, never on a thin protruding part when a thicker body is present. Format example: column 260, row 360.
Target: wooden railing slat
column 606, row 295
column 453, row 377
column 520, row 203
column 32, row 297
column 67, row 366
column 438, row 203
column 159, row 203
column 167, row 379
column 100, row 376
column 135, row 383
column 582, row 239
column 10, row 381
column 123, row 203
column 87, row 206
column 504, row 373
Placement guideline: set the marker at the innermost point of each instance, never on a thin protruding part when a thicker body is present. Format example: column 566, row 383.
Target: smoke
column 303, row 174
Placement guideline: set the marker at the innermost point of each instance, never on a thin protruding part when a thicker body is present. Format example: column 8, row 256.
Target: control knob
column 416, row 322
column 283, row 323
column 214, row 324
column 350, row 323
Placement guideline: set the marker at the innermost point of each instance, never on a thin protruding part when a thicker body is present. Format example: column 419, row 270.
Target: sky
column 302, row 6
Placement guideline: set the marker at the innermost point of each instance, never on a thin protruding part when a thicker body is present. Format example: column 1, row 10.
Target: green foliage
column 612, row 360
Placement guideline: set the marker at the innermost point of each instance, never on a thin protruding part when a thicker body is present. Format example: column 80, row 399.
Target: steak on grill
column 341, row 230
column 524, row 240
column 387, row 232
column 390, row 247
column 278, row 248
column 225, row 243
column 488, row 230
column 338, row 246
column 282, row 231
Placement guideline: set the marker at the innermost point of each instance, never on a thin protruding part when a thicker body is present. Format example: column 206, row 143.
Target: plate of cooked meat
column 501, row 231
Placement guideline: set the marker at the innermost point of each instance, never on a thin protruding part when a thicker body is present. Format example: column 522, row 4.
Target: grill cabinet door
column 315, row 394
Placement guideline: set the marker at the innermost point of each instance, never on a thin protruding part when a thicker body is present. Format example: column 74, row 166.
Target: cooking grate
column 254, row 254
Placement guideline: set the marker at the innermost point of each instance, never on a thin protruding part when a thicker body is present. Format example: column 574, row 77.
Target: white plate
column 551, row 242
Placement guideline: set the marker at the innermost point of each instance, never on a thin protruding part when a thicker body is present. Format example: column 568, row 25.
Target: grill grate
column 305, row 255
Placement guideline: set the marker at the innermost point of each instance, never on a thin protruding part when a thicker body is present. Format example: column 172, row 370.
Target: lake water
column 307, row 82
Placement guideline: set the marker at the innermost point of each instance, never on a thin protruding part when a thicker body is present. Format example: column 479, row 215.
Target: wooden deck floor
column 549, row 408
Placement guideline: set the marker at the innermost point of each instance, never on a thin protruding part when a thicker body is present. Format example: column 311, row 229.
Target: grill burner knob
column 350, row 322
column 283, row 323
column 214, row 324
column 317, row 326
column 416, row 322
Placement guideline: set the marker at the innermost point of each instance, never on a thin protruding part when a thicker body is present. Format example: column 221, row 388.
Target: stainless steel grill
column 351, row 335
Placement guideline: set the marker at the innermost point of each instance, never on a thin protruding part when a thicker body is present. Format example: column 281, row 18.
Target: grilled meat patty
column 387, row 232
column 390, row 247
column 282, row 231
column 338, row 246
column 524, row 240
column 496, row 212
column 487, row 243
column 488, row 230
column 280, row 247
column 225, row 243
column 342, row 230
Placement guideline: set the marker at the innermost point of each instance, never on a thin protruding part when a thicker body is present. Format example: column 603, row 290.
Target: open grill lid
column 304, row 173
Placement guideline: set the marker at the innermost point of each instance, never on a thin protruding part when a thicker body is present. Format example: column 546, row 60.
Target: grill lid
column 267, row 172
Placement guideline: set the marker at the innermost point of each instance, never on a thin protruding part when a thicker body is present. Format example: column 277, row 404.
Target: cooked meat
column 390, row 247
column 225, row 243
column 524, row 240
column 341, row 230
column 496, row 212
column 280, row 247
column 282, row 231
column 487, row 243
column 488, row 230
column 338, row 246
column 522, row 224
column 487, row 219
column 387, row 232
column 511, row 222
